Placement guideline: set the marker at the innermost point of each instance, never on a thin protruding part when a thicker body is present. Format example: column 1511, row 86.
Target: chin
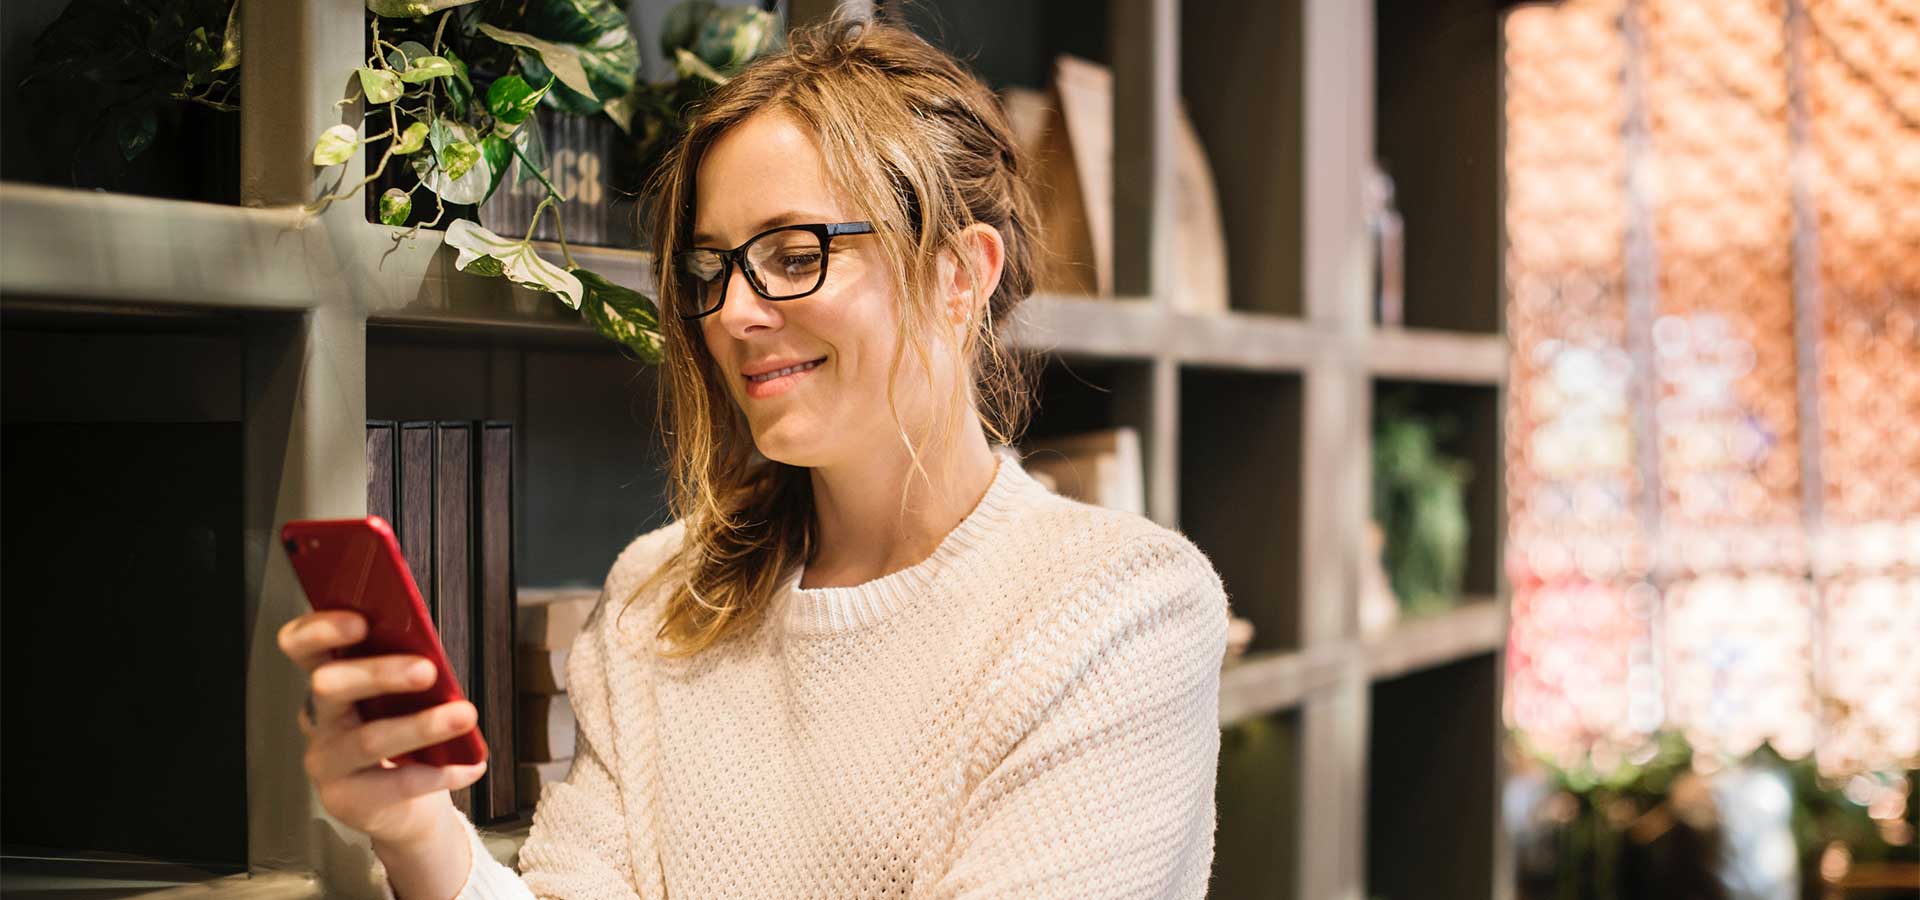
column 791, row 443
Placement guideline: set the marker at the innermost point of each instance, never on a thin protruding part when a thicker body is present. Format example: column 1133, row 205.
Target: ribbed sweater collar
column 837, row 609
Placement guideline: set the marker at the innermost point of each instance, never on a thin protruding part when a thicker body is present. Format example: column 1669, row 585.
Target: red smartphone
column 356, row 564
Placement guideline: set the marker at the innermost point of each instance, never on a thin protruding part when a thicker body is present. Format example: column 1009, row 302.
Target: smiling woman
column 871, row 656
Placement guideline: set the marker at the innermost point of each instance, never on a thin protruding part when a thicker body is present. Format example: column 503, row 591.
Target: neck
column 863, row 531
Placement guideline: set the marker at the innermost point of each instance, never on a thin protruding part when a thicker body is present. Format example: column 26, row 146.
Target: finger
column 345, row 752
column 310, row 640
column 362, row 796
column 341, row 682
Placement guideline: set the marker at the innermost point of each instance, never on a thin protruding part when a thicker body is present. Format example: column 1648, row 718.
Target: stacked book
column 446, row 487
column 550, row 619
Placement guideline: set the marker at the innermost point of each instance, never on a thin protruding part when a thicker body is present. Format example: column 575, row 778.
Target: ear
column 962, row 300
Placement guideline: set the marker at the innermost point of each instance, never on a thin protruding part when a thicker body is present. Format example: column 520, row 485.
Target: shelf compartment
column 1437, row 134
column 1477, row 626
column 1432, row 763
column 1240, row 491
column 124, row 460
column 1254, row 141
column 1257, row 801
column 1437, row 356
column 587, row 449
column 1477, row 422
column 1012, row 43
column 1265, row 683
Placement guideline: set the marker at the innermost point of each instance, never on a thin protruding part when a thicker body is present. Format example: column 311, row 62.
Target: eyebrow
column 790, row 217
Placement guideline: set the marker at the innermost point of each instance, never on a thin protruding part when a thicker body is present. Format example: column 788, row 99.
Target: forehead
column 765, row 171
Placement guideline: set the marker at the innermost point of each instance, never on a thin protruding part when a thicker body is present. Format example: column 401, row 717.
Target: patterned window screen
column 1713, row 276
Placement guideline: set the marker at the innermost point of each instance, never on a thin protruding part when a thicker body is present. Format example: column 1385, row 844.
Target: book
column 453, row 597
column 546, row 727
column 541, row 671
column 413, row 511
column 536, row 775
column 550, row 618
column 497, row 793
column 382, row 464
column 1105, row 468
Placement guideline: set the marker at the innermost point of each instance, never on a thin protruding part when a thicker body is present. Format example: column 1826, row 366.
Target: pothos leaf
column 511, row 100
column 336, row 145
column 498, row 154
column 622, row 314
column 411, row 140
column 562, row 60
column 395, row 205
column 404, row 9
column 458, row 158
column 230, row 42
column 427, row 68
column 380, row 85
column 516, row 260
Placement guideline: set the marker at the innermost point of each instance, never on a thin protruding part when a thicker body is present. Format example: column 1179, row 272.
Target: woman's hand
column 399, row 806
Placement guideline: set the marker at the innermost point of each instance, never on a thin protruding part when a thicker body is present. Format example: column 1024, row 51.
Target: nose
column 745, row 311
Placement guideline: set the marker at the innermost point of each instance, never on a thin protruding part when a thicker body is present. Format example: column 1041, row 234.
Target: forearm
column 434, row 868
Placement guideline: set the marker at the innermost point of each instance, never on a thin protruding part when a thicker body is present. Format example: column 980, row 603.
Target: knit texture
column 1032, row 712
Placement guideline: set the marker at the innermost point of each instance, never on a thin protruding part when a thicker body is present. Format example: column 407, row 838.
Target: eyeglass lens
column 781, row 265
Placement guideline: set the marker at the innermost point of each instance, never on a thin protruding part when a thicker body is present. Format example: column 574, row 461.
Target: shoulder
column 1080, row 548
column 643, row 556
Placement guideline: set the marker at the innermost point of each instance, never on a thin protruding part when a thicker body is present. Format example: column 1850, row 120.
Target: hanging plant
column 110, row 78
column 450, row 89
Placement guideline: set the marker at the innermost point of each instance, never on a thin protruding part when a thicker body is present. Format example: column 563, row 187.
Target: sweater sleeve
column 1108, row 789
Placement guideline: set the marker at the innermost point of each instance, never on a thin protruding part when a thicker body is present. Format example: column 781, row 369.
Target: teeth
column 786, row 371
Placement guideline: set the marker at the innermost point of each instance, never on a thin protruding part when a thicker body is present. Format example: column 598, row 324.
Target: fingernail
column 420, row 672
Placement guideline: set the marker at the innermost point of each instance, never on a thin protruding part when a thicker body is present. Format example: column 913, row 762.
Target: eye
column 800, row 260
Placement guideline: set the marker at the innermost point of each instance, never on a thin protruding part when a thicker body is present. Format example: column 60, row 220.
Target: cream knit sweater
column 1030, row 712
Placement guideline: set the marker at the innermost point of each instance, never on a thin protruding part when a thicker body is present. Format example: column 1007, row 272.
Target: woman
column 871, row 656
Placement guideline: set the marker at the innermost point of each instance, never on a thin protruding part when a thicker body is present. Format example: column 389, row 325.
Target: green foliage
column 1419, row 499
column 108, row 78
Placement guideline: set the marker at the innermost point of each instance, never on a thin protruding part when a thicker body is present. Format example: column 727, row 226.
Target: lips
column 777, row 381
column 771, row 374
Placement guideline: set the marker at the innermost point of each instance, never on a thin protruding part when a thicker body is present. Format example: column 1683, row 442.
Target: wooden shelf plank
column 1268, row 682
column 1477, row 626
column 94, row 246
column 1104, row 327
column 1248, row 341
column 1440, row 356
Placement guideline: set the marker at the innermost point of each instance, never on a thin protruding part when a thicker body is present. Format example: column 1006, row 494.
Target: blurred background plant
column 1420, row 502
column 1667, row 824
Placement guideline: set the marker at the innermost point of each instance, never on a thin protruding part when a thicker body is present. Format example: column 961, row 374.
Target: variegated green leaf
column 562, row 60
column 404, row 9
column 621, row 314
column 427, row 68
column 517, row 261
column 469, row 189
column 380, row 85
column 411, row 140
column 458, row 158
column 395, row 204
column 336, row 145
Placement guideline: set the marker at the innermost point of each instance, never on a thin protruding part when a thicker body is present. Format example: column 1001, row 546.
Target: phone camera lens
column 293, row 546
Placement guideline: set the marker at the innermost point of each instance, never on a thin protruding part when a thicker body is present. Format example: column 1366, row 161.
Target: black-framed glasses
column 783, row 263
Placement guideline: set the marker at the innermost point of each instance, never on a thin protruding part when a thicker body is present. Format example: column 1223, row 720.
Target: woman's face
column 768, row 171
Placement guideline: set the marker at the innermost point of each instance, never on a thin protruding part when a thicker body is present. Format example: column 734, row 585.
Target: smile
column 779, row 381
column 786, row 371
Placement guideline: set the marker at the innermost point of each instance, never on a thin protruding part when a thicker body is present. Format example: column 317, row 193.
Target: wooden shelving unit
column 1342, row 753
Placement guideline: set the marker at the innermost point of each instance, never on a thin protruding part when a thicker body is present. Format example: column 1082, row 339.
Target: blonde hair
column 922, row 149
